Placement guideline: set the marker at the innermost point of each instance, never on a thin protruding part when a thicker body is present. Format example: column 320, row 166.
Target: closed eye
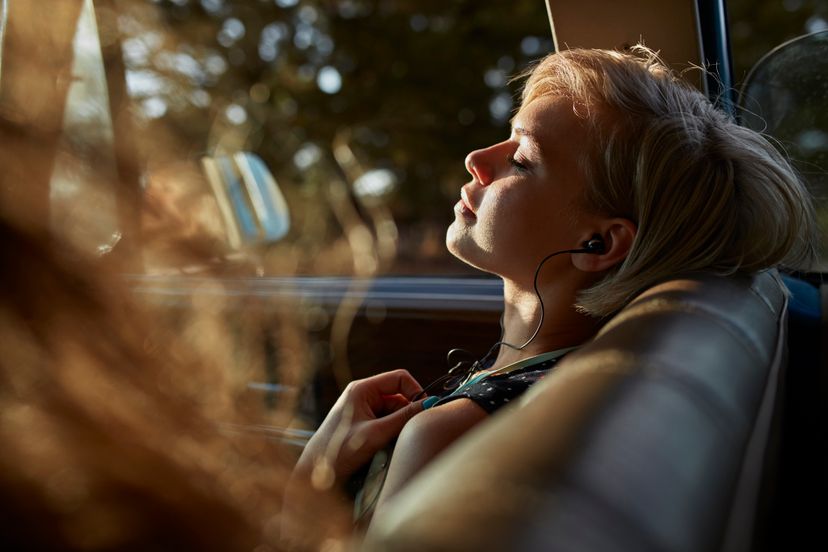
column 520, row 167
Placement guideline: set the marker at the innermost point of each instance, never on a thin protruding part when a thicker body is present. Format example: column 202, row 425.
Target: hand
column 368, row 414
column 366, row 417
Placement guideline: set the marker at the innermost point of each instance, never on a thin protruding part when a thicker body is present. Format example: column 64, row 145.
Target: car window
column 362, row 110
column 783, row 94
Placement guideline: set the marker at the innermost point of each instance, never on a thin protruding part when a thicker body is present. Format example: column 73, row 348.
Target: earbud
column 594, row 245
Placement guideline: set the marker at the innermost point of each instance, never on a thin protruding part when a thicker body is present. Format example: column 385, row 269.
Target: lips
column 464, row 198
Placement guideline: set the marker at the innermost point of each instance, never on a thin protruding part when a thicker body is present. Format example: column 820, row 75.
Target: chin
column 457, row 241
column 463, row 247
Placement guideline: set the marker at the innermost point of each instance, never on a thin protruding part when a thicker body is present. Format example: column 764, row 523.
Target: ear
column 618, row 235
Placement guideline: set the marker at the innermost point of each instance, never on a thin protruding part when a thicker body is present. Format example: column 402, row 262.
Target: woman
column 616, row 175
column 110, row 419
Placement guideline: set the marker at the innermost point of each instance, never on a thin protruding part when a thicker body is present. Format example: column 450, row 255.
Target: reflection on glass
column 83, row 203
column 786, row 96
column 253, row 208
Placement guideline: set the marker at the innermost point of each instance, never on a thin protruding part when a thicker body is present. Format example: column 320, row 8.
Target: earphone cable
column 540, row 302
column 477, row 365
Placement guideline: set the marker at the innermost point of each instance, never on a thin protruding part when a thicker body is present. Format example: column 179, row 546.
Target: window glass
column 82, row 198
column 758, row 27
column 799, row 122
column 362, row 109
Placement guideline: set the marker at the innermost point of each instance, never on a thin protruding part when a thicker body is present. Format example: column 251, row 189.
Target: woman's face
column 525, row 199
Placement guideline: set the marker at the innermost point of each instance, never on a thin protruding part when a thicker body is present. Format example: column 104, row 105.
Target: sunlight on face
column 524, row 199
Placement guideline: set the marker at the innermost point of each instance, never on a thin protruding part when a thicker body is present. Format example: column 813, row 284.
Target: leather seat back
column 654, row 436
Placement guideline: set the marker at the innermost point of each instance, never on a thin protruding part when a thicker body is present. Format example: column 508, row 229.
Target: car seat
column 662, row 433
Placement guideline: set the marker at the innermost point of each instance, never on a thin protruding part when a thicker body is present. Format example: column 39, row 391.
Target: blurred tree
column 410, row 86
column 758, row 27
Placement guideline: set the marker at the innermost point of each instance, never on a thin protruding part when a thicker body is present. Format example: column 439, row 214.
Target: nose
column 478, row 167
column 486, row 164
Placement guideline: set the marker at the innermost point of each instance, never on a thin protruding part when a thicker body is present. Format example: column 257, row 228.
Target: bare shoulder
column 446, row 420
column 425, row 436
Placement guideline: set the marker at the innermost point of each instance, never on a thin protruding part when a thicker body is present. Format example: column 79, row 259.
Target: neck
column 562, row 325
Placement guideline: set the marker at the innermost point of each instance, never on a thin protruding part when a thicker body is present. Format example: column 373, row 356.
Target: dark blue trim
column 716, row 57
column 805, row 303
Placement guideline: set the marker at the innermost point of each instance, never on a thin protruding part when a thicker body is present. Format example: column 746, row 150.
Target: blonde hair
column 705, row 193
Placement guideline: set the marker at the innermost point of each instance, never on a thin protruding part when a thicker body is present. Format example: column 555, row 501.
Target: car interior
column 695, row 420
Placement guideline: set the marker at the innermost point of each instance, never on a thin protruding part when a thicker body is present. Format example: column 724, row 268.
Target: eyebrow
column 521, row 131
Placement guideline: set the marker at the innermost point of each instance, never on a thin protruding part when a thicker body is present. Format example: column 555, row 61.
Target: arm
column 424, row 437
column 365, row 418
column 368, row 414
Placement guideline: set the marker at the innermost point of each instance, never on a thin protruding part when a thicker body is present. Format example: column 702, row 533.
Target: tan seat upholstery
column 654, row 436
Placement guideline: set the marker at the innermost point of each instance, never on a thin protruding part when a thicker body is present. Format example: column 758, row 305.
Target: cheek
column 513, row 224
column 517, row 214
column 498, row 204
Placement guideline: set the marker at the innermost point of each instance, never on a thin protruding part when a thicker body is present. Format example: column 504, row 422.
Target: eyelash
column 520, row 167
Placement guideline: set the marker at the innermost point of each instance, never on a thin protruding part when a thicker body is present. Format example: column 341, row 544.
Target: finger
column 392, row 383
column 392, row 403
column 374, row 435
column 386, row 428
